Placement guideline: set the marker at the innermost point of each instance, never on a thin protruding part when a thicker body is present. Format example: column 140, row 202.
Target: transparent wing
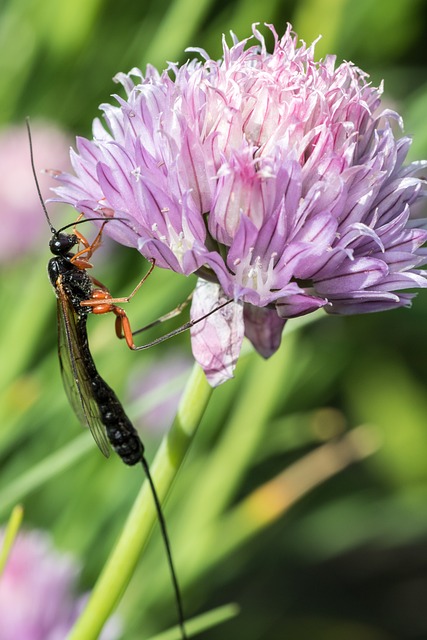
column 75, row 372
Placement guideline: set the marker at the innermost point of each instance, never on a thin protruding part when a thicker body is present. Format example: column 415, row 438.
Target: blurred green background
column 336, row 547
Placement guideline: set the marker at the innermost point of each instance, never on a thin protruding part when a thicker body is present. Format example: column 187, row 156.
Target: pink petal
column 263, row 328
column 216, row 341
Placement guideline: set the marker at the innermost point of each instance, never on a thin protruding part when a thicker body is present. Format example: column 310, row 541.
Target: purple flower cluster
column 277, row 179
column 37, row 592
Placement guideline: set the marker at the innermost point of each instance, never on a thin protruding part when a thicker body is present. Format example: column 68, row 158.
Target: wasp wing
column 75, row 372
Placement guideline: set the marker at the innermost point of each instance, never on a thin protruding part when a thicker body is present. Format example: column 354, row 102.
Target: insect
column 94, row 402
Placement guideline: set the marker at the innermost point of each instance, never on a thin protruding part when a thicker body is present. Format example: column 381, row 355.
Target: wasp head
column 61, row 244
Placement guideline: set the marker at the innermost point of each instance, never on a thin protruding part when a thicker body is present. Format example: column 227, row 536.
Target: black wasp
column 94, row 402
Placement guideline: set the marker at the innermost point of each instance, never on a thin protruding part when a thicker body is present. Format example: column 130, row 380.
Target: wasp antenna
column 75, row 224
column 100, row 219
column 52, row 228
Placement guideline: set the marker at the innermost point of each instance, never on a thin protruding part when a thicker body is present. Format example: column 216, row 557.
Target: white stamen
column 136, row 173
column 256, row 273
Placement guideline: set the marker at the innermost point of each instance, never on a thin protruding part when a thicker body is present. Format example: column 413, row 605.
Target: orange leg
column 123, row 328
column 103, row 296
column 82, row 257
column 102, row 302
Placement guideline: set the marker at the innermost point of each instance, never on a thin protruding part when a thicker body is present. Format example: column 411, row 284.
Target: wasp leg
column 103, row 294
column 82, row 257
column 123, row 328
column 168, row 316
column 102, row 302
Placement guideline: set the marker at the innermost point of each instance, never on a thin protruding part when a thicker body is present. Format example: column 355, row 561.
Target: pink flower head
column 275, row 178
column 37, row 592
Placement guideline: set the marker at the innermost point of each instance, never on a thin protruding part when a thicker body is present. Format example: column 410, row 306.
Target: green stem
column 121, row 564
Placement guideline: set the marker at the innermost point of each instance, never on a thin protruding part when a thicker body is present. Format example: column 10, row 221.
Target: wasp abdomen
column 121, row 433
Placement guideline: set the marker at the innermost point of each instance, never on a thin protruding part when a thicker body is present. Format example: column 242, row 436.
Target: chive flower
column 38, row 598
column 278, row 180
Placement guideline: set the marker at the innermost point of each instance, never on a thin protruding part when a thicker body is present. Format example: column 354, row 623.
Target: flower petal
column 216, row 341
column 263, row 328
